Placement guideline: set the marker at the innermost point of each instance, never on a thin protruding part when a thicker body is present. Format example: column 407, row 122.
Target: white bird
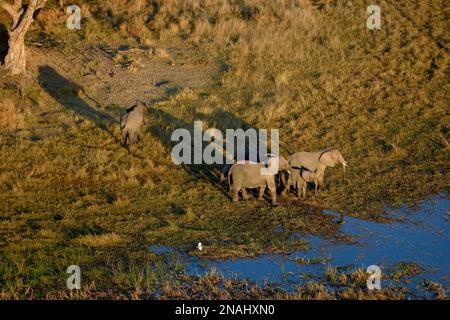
column 199, row 246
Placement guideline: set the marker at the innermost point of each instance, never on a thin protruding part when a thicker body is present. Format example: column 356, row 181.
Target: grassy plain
column 70, row 193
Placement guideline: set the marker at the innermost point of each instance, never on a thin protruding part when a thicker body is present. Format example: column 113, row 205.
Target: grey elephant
column 318, row 161
column 282, row 165
column 251, row 175
column 298, row 178
column 131, row 124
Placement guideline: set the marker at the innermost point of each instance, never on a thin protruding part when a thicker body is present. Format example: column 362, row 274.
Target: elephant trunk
column 344, row 165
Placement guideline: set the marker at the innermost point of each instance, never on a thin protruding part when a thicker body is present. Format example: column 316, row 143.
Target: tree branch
column 15, row 10
column 27, row 15
column 22, row 16
column 41, row 4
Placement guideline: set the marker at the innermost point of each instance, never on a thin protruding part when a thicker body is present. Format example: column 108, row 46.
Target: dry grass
column 10, row 118
column 380, row 97
column 104, row 240
column 312, row 69
column 213, row 286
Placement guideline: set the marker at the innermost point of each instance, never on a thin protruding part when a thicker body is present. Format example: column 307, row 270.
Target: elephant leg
column 321, row 184
column 286, row 190
column 235, row 194
column 320, row 174
column 244, row 194
column 126, row 141
column 125, row 138
column 282, row 179
column 131, row 138
column 262, row 189
column 273, row 191
column 273, row 194
column 131, row 141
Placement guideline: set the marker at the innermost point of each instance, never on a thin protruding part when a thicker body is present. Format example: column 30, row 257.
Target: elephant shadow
column 163, row 125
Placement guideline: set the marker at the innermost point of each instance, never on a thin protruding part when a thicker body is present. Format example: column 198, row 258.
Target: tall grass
column 310, row 68
column 316, row 72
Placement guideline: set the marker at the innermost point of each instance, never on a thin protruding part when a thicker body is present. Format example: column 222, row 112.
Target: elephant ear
column 273, row 164
column 284, row 164
column 329, row 158
column 141, row 105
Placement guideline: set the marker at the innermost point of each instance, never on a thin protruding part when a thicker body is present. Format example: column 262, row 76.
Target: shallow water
column 419, row 235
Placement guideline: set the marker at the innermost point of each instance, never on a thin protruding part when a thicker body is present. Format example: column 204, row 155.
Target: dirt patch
column 118, row 77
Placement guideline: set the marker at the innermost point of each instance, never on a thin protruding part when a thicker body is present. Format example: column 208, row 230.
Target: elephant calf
column 299, row 178
column 249, row 175
column 131, row 124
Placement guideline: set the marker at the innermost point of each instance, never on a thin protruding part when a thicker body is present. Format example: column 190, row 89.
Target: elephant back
column 308, row 160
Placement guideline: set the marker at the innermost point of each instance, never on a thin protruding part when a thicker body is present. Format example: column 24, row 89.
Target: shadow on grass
column 3, row 43
column 66, row 93
column 163, row 125
column 163, row 128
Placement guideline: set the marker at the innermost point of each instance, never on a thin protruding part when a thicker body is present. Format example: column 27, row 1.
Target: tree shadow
column 66, row 93
column 3, row 43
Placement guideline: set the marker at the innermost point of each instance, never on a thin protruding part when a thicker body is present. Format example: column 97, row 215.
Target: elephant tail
column 229, row 177
column 126, row 139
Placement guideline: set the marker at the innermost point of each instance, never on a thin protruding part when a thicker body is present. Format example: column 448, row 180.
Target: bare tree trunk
column 16, row 59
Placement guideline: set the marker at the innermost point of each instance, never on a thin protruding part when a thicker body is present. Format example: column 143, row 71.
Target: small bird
column 199, row 246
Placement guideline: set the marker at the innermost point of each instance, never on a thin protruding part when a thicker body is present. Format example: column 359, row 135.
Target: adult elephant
column 266, row 159
column 318, row 161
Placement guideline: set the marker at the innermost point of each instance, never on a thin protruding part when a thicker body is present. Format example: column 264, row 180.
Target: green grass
column 72, row 195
